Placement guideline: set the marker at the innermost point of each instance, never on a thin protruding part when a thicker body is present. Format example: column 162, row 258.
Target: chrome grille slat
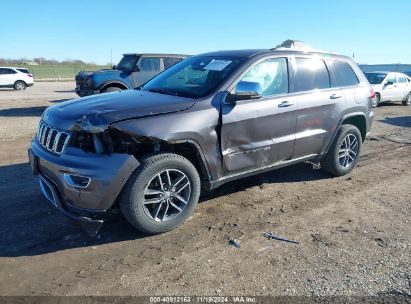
column 51, row 139
column 42, row 133
column 56, row 140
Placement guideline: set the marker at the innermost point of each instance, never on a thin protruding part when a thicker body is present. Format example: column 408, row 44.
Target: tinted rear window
column 311, row 74
column 343, row 74
column 24, row 71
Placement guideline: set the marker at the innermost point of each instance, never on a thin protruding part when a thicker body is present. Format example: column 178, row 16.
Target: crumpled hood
column 95, row 113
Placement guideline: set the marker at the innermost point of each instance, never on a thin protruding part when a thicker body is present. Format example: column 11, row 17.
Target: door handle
column 335, row 96
column 285, row 104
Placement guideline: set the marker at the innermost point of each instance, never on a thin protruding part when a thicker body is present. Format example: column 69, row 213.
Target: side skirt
column 281, row 164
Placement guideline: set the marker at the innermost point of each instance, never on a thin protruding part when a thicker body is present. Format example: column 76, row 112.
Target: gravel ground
column 354, row 231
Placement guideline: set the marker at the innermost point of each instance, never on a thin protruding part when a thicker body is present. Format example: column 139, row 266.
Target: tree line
column 41, row 61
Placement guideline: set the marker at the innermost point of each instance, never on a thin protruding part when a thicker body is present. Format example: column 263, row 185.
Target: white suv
column 17, row 78
column 389, row 86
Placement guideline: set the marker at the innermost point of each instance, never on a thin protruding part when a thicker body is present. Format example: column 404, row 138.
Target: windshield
column 127, row 63
column 194, row 77
column 375, row 78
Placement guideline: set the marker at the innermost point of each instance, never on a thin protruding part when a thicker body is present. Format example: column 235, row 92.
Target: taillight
column 372, row 94
column 29, row 75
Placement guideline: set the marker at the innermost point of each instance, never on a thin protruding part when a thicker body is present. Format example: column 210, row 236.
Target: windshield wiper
column 163, row 91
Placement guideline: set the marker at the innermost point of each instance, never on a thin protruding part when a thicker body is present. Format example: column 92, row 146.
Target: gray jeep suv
column 208, row 120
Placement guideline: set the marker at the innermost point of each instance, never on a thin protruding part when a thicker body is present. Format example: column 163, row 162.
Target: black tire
column 331, row 162
column 134, row 194
column 407, row 100
column 20, row 85
column 377, row 100
column 112, row 89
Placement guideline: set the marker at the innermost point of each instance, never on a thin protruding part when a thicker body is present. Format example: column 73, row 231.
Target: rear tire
column 377, row 100
column 344, row 152
column 407, row 100
column 161, row 193
column 20, row 85
column 112, row 89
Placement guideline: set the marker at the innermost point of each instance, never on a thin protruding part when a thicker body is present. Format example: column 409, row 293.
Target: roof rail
column 298, row 45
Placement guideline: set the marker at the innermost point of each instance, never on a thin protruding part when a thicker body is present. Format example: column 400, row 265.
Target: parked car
column 132, row 71
column 390, row 86
column 208, row 120
column 17, row 78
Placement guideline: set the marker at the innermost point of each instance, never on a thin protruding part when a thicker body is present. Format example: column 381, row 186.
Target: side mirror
column 136, row 69
column 247, row 90
column 114, row 67
column 389, row 83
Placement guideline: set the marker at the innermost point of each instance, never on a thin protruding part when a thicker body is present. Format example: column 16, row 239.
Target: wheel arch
column 186, row 147
column 19, row 80
column 117, row 84
column 358, row 120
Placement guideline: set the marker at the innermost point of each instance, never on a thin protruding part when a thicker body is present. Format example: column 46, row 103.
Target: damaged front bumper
column 83, row 186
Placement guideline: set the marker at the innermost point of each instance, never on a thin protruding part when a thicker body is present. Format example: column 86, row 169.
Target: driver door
column 260, row 132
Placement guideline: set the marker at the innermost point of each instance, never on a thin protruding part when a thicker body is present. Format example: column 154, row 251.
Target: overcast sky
column 376, row 31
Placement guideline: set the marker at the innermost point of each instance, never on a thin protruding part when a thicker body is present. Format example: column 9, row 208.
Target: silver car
column 390, row 86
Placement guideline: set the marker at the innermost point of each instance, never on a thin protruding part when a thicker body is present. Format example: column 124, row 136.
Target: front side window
column 194, row 77
column 343, row 74
column 311, row 74
column 150, row 64
column 127, row 63
column 271, row 74
column 169, row 62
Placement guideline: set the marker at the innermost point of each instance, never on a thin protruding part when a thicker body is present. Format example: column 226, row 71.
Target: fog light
column 76, row 180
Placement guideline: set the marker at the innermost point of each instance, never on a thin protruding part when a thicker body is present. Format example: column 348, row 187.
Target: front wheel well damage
column 141, row 146
column 113, row 140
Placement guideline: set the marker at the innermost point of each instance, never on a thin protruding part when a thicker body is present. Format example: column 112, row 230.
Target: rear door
column 390, row 90
column 319, row 106
column 402, row 86
column 259, row 132
column 7, row 76
column 3, row 77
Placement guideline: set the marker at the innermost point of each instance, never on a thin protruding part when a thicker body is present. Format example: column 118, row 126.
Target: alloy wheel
column 166, row 195
column 348, row 151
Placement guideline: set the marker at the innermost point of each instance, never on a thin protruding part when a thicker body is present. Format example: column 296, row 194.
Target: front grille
column 81, row 83
column 51, row 139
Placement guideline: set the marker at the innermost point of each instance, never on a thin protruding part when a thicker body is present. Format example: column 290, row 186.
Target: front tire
column 20, row 85
column 161, row 193
column 344, row 152
column 407, row 100
column 112, row 89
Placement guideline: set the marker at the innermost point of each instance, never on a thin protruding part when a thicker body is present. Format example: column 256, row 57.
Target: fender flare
column 110, row 82
column 346, row 116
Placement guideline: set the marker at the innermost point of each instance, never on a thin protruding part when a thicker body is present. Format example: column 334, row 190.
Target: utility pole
column 111, row 57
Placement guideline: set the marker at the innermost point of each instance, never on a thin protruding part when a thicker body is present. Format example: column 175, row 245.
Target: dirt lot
column 354, row 231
